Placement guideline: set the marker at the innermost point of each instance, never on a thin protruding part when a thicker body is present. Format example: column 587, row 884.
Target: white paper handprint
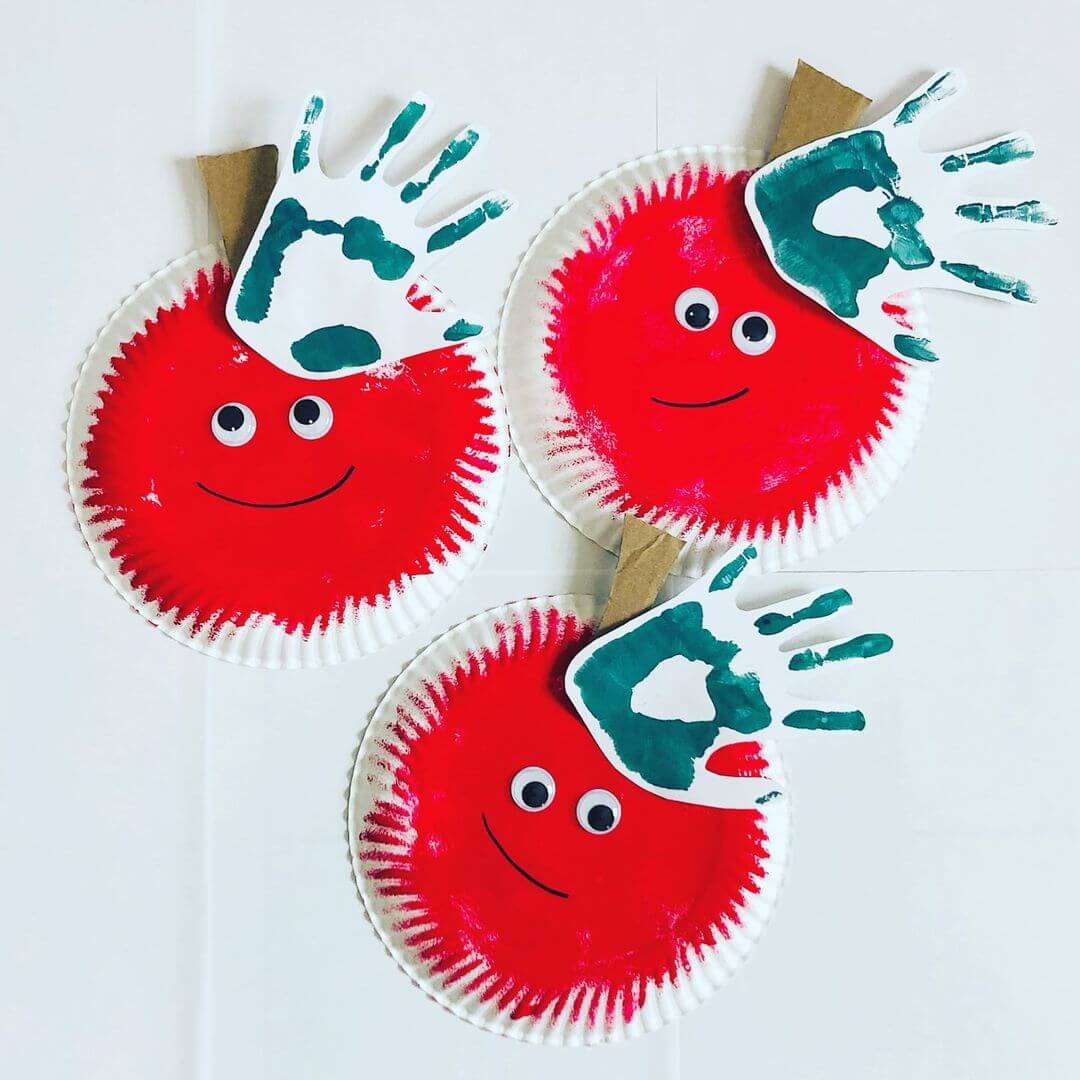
column 858, row 220
column 332, row 280
column 641, row 688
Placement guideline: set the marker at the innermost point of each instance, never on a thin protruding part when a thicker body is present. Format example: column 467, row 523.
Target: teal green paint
column 727, row 574
column 858, row 648
column 663, row 752
column 458, row 230
column 301, row 156
column 397, row 133
column 938, row 90
column 914, row 348
column 288, row 222
column 987, row 279
column 767, row 797
column 456, row 152
column 837, row 268
column 1000, row 153
column 362, row 238
column 774, row 622
column 461, row 330
column 332, row 348
column 1031, row 212
column 901, row 217
column 819, row 720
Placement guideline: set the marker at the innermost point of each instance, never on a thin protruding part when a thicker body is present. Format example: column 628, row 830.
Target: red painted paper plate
column 265, row 518
column 492, row 879
column 655, row 363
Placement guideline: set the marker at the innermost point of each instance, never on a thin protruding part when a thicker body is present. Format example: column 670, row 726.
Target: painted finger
column 904, row 342
column 860, row 647
column 446, row 233
column 887, row 322
column 822, row 717
column 401, row 127
column 929, row 98
column 305, row 144
column 734, row 563
column 789, row 614
column 455, row 152
column 1006, row 213
column 1006, row 150
column 975, row 280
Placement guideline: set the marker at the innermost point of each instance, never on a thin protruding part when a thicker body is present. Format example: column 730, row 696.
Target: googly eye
column 753, row 333
column 311, row 417
column 532, row 788
column 233, row 424
column 696, row 309
column 598, row 811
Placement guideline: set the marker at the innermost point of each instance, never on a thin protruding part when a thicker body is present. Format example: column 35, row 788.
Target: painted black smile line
column 703, row 404
column 523, row 872
column 282, row 505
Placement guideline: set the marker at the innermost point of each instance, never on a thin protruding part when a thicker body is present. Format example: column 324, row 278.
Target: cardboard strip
column 646, row 556
column 239, row 185
column 817, row 105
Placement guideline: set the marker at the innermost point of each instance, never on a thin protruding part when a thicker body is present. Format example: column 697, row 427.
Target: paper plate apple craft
column 308, row 483
column 648, row 335
column 571, row 882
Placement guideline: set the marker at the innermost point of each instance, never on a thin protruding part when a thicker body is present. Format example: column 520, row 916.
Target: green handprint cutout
column 832, row 255
column 646, row 712
column 322, row 309
column 839, row 267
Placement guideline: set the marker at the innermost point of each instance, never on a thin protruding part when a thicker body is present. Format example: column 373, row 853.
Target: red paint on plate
column 528, row 906
column 383, row 494
column 788, row 423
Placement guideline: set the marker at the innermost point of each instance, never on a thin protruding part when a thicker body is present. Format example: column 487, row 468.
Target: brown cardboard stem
column 817, row 105
column 645, row 559
column 239, row 185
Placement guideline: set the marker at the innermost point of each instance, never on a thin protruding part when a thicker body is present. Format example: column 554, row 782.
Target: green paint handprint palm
column 840, row 266
column 748, row 684
column 860, row 279
column 659, row 751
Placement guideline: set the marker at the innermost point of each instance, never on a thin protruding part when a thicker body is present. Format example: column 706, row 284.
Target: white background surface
column 175, row 897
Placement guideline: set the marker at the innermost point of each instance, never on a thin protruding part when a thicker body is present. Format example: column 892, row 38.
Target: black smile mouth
column 703, row 404
column 279, row 505
column 521, row 870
